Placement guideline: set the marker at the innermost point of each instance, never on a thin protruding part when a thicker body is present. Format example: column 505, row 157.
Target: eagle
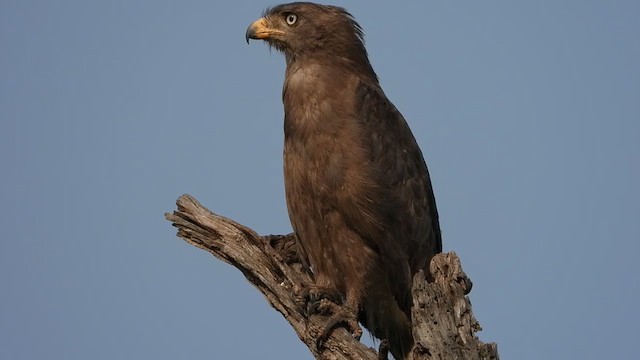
column 358, row 191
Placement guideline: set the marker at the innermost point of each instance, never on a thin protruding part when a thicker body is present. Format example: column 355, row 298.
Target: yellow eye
column 291, row 19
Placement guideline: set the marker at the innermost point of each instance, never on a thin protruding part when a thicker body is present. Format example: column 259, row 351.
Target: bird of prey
column 357, row 187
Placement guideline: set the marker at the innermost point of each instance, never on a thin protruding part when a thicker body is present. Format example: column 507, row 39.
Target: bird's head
column 303, row 28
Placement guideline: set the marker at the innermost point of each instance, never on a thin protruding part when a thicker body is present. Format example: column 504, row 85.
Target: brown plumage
column 358, row 190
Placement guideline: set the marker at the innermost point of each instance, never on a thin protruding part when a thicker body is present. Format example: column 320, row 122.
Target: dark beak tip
column 249, row 34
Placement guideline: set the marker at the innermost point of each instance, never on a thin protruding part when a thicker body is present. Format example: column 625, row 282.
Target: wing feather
column 400, row 202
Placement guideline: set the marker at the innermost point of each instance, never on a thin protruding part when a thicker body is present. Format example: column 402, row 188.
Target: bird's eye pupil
column 291, row 19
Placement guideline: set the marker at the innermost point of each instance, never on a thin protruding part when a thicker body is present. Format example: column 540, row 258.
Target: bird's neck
column 339, row 62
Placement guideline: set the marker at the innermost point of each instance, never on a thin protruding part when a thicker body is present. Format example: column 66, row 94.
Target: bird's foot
column 340, row 315
column 320, row 300
column 327, row 310
column 333, row 316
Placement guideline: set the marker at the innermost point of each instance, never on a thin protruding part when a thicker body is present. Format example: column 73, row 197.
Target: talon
column 313, row 308
column 300, row 297
column 325, row 311
column 315, row 296
column 340, row 316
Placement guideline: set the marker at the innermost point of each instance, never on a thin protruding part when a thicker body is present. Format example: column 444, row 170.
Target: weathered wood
column 443, row 324
column 444, row 327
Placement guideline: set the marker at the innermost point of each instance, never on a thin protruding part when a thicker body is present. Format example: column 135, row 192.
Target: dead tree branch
column 444, row 326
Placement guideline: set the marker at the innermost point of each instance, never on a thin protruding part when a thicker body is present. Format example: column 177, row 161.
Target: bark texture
column 443, row 324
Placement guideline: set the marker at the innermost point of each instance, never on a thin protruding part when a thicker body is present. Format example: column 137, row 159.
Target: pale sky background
column 528, row 114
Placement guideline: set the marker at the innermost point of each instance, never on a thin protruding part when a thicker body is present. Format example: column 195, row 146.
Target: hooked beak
column 260, row 30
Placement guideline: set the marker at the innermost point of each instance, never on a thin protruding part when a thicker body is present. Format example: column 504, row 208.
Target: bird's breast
column 324, row 155
column 316, row 162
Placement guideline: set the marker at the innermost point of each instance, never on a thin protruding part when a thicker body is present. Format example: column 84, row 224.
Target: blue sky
column 528, row 114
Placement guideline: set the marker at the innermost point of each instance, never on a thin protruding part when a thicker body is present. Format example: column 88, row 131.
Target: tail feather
column 382, row 316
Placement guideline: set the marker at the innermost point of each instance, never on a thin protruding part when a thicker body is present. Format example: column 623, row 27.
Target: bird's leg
column 329, row 306
column 344, row 314
column 317, row 296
